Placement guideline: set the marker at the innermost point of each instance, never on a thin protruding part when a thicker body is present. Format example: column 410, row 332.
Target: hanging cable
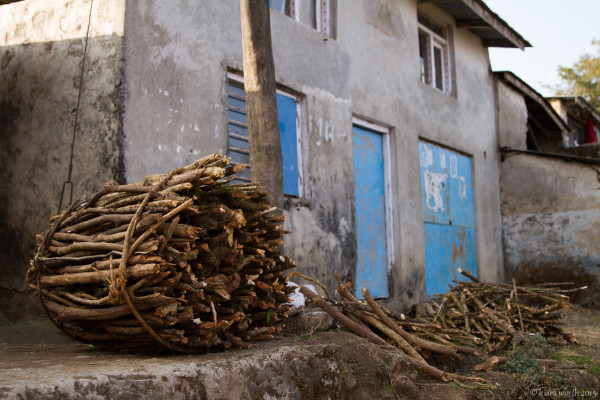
column 68, row 182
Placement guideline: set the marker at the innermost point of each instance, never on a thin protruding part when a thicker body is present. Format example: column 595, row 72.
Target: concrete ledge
column 330, row 365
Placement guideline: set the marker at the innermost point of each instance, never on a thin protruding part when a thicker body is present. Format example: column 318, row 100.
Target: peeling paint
column 435, row 183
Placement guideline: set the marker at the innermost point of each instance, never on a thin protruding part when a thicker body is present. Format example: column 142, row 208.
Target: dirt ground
column 367, row 371
column 576, row 373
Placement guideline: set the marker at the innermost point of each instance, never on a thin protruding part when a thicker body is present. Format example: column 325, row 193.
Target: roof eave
column 483, row 22
column 527, row 90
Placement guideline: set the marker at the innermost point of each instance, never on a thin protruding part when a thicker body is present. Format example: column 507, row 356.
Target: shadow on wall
column 39, row 85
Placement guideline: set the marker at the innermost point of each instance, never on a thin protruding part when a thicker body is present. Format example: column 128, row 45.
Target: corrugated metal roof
column 479, row 19
column 508, row 151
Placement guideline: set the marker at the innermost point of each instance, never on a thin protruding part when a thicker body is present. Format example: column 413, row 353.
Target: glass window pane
column 424, row 57
column 439, row 69
column 278, row 5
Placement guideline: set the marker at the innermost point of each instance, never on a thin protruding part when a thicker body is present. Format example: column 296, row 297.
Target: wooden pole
column 261, row 100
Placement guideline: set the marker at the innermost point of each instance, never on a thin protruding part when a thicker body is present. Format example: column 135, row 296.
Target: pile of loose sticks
column 489, row 314
column 473, row 318
column 184, row 261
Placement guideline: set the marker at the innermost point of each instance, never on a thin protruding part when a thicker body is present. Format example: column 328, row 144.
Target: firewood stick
column 134, row 201
column 468, row 274
column 295, row 273
column 165, row 218
column 84, row 301
column 169, row 233
column 335, row 313
column 115, row 192
column 109, row 218
column 53, row 296
column 498, row 321
column 413, row 340
column 135, row 271
column 517, row 301
column 131, row 188
column 67, row 314
column 98, row 246
column 392, row 334
column 105, row 264
column 199, row 176
column 202, row 162
column 461, row 307
column 160, row 207
column 126, row 330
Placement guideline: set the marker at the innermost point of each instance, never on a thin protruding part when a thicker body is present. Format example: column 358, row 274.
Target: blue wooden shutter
column 238, row 136
column 286, row 107
column 238, row 130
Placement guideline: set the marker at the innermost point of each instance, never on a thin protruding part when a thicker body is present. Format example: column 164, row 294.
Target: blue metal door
column 447, row 197
column 369, row 177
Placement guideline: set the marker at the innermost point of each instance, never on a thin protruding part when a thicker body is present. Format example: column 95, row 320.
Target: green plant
column 525, row 365
column 526, row 349
column 587, row 362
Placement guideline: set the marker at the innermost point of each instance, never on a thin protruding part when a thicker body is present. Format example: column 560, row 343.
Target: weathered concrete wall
column 41, row 50
column 385, row 86
column 512, row 117
column 177, row 57
column 551, row 222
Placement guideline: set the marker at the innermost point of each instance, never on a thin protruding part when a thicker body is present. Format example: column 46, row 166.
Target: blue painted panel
column 434, row 185
column 238, row 134
column 371, row 268
column 237, row 102
column 447, row 248
column 447, row 196
column 286, row 108
column 446, row 186
column 237, row 142
column 461, row 192
column 238, row 117
column 237, row 129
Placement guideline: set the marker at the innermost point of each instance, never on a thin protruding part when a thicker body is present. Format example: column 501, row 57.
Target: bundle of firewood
column 471, row 316
column 184, row 261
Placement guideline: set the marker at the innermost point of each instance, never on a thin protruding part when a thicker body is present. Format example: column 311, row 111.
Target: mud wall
column 41, row 51
column 551, row 222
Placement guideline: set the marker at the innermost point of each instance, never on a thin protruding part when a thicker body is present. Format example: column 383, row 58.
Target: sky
column 560, row 31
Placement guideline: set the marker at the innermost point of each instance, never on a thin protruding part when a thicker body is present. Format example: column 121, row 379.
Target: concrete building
column 549, row 191
column 388, row 111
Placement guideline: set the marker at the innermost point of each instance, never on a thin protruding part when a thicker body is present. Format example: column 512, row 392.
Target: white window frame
column 322, row 14
column 434, row 41
column 300, row 125
column 387, row 176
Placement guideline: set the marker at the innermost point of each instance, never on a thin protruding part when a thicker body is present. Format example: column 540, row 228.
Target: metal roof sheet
column 479, row 19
